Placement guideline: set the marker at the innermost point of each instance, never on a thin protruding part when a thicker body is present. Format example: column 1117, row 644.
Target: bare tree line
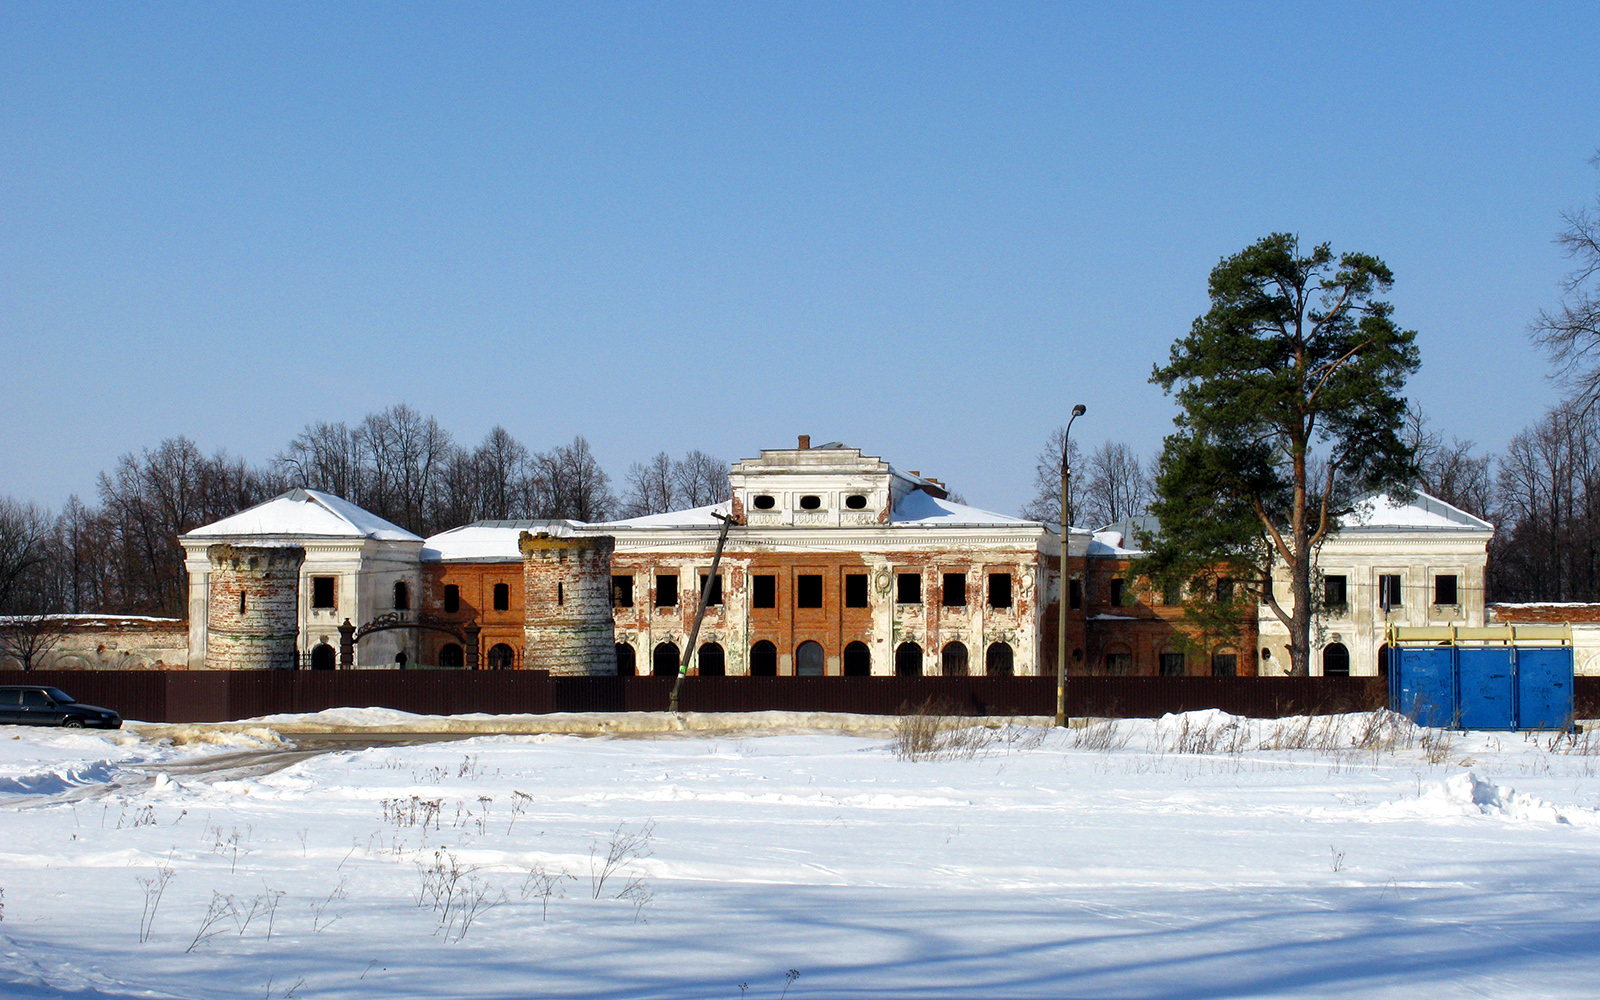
column 122, row 554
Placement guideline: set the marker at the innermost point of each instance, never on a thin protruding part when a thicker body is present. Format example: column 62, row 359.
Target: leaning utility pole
column 700, row 613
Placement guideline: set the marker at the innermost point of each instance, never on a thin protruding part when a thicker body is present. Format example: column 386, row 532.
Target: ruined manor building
column 835, row 564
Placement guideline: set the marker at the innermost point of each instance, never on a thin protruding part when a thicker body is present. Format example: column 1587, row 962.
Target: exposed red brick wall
column 263, row 635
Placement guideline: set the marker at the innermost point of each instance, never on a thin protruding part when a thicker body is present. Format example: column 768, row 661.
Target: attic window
column 810, row 503
column 763, row 501
column 856, row 501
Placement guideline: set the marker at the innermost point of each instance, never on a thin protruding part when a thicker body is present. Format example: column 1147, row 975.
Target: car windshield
column 59, row 696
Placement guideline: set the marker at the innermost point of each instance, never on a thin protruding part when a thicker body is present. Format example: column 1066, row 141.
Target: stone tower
column 253, row 609
column 567, row 604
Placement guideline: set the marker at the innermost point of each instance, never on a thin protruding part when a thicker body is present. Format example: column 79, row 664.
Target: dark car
column 40, row 705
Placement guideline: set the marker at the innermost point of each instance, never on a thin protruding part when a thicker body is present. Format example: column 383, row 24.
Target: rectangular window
column 955, row 590
column 322, row 592
column 1444, row 589
column 1224, row 664
column 502, row 597
column 764, row 592
column 622, row 591
column 1334, row 592
column 999, row 590
column 1172, row 595
column 666, row 591
column 452, row 598
column 855, row 590
column 1225, row 594
column 1389, row 591
column 1172, row 665
column 561, row 593
column 715, row 597
column 1119, row 664
column 1074, row 593
column 807, row 591
column 908, row 588
column 1116, row 592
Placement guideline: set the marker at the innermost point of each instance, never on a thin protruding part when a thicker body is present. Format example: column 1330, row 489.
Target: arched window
column 711, row 661
column 664, row 661
column 1383, row 660
column 998, row 661
column 400, row 659
column 857, row 660
column 908, row 660
column 763, row 659
column 451, row 655
column 502, row 657
column 322, row 657
column 402, row 596
column 627, row 660
column 953, row 661
column 808, row 660
column 1335, row 660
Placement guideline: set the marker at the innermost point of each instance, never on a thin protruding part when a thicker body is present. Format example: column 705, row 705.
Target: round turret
column 567, row 601
column 253, row 608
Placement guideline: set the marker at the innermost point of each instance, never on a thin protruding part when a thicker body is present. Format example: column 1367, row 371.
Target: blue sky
column 926, row 230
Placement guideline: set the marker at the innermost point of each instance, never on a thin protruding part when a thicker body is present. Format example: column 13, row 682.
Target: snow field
column 1197, row 856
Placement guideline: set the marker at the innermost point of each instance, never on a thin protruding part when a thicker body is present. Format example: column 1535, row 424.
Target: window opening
column 1172, row 595
column 627, row 660
column 322, row 657
column 856, row 502
column 808, row 660
column 452, row 598
column 561, row 593
column 953, row 661
column 999, row 660
column 322, row 592
column 1334, row 593
column 711, row 661
column 664, row 661
column 502, row 657
column 855, row 590
column 502, row 596
column 1119, row 664
column 808, row 591
column 1116, row 591
column 857, row 660
column 1389, row 591
column 763, row 659
column 1225, row 592
column 908, row 660
column 666, row 591
column 241, row 602
column 451, row 655
column 763, row 501
column 1224, row 664
column 622, row 591
column 402, row 596
column 955, row 590
column 715, row 597
column 908, row 588
column 1074, row 593
column 1173, row 665
column 764, row 592
column 1335, row 660
column 809, row 502
column 1000, row 590
column 1444, row 589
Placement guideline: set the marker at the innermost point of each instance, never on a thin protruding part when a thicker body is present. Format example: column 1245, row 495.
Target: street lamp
column 1061, row 596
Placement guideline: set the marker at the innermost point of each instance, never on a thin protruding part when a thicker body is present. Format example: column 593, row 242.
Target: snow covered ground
column 1195, row 857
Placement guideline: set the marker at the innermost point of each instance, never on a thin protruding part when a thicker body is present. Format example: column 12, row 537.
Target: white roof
column 1109, row 542
column 923, row 510
column 308, row 513
column 488, row 541
column 694, row 517
column 1424, row 512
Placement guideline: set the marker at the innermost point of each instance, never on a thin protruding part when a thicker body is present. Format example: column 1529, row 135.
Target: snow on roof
column 694, row 517
column 1424, row 512
column 489, row 541
column 923, row 510
column 306, row 512
column 1109, row 543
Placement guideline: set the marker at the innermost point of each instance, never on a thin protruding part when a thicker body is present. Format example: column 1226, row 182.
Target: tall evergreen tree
column 1291, row 407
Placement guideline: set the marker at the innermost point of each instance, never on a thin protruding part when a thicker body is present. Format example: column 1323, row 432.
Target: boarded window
column 764, row 592
column 715, row 597
column 402, row 596
column 1444, row 589
column 1074, row 593
column 322, row 592
column 809, row 660
column 502, row 597
column 1172, row 665
column 666, row 591
column 999, row 660
column 855, row 590
column 622, row 591
column 1000, row 590
column 908, row 588
column 807, row 591
column 1334, row 593
column 452, row 598
column 857, row 660
column 955, row 590
column 1389, row 591
column 763, row 659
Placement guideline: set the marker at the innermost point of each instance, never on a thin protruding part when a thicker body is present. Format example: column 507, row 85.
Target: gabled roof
column 305, row 513
column 1380, row 512
column 694, row 517
column 489, row 541
column 918, row 509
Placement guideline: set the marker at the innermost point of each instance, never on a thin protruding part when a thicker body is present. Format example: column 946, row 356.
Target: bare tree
column 1450, row 470
column 503, row 469
column 27, row 638
column 1046, row 502
column 1548, row 489
column 572, row 484
column 326, row 457
column 25, row 531
column 702, row 479
column 652, row 487
column 1570, row 334
column 1116, row 486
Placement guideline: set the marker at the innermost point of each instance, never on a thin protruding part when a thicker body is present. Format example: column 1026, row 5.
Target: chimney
column 805, row 442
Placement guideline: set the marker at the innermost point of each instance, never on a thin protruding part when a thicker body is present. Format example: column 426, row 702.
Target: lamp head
column 1078, row 410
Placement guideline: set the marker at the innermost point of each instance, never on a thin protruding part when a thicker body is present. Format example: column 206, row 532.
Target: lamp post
column 1061, row 597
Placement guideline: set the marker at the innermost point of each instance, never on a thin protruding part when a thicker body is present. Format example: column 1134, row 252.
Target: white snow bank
column 1469, row 796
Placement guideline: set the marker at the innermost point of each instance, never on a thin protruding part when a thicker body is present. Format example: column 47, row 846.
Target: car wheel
column 73, row 724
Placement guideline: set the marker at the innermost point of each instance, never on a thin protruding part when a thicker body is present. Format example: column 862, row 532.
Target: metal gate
column 1499, row 677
